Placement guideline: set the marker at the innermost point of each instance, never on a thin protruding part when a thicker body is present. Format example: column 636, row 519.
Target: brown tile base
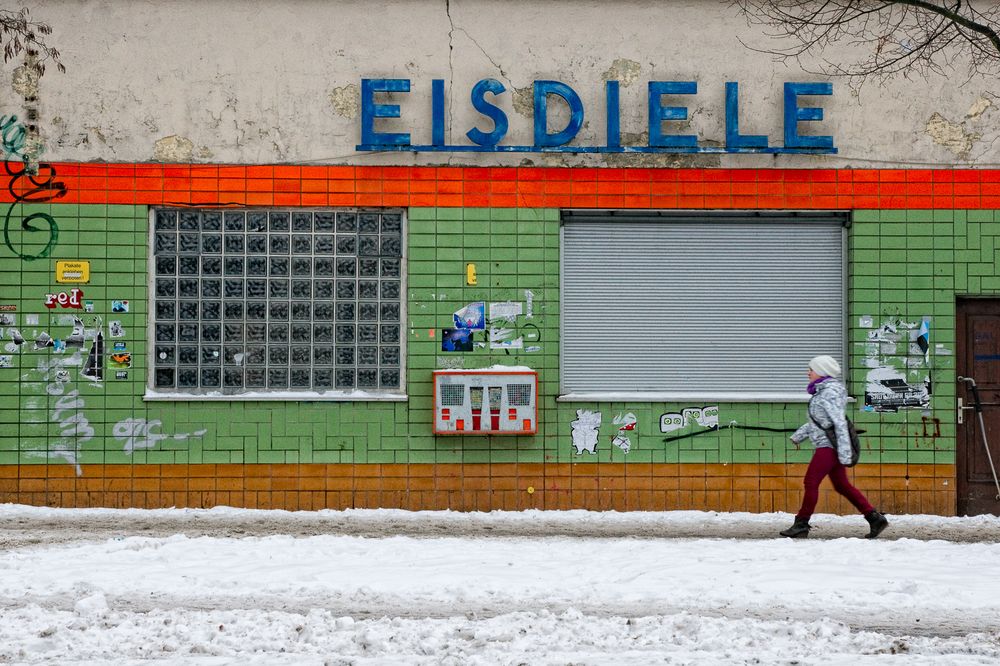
column 927, row 489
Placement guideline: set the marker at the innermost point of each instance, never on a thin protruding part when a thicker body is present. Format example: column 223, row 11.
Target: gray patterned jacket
column 827, row 406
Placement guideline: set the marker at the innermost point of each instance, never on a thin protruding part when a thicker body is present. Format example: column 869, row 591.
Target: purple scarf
column 812, row 385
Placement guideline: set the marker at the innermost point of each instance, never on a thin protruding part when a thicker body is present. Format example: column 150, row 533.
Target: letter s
column 499, row 118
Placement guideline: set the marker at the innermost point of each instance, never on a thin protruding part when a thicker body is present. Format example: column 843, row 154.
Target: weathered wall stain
column 979, row 107
column 173, row 148
column 24, row 81
column 952, row 136
column 623, row 70
column 314, row 100
column 346, row 100
column 524, row 101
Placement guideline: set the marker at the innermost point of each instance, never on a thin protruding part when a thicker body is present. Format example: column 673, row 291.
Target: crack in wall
column 488, row 57
column 451, row 68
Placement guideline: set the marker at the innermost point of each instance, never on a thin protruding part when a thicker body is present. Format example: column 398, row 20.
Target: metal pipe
column 982, row 429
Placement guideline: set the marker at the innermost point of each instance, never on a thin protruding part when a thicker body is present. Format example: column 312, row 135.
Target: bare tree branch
column 956, row 17
column 20, row 35
column 886, row 37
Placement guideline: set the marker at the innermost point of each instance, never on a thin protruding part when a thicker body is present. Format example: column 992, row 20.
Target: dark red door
column 978, row 358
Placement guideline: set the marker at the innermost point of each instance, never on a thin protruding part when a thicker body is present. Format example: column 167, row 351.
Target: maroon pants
column 824, row 462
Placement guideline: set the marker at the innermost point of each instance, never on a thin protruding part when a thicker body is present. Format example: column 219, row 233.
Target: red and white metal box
column 485, row 402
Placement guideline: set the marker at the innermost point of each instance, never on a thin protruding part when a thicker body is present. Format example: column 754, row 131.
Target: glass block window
column 251, row 301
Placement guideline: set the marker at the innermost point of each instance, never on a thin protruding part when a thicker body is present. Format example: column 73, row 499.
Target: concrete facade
column 228, row 82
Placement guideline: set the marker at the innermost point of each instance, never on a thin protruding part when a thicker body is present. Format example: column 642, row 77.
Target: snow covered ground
column 228, row 586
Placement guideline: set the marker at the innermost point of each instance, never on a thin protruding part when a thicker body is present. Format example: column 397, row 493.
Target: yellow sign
column 73, row 272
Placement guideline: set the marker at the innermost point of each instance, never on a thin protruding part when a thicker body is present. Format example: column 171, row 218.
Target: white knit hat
column 825, row 366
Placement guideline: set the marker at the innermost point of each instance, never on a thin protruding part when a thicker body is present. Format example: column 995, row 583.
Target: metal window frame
column 152, row 393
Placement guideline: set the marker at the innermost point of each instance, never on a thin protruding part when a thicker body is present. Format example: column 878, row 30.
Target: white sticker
column 585, row 430
column 709, row 417
column 671, row 421
column 508, row 310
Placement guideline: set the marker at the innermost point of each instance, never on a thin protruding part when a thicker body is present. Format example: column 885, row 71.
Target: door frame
column 967, row 438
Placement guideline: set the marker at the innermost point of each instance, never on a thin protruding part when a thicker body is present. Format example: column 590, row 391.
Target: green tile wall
column 904, row 265
column 514, row 250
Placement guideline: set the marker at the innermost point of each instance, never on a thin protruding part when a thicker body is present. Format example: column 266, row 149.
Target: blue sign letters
column 661, row 116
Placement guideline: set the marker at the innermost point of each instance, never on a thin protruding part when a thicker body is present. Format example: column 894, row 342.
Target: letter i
column 614, row 114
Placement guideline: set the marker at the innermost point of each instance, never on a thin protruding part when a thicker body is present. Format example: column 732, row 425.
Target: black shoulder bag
column 831, row 434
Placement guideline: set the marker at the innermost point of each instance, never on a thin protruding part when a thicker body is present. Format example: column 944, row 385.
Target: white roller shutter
column 713, row 304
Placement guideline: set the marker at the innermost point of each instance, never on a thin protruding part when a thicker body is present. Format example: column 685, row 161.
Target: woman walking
column 826, row 409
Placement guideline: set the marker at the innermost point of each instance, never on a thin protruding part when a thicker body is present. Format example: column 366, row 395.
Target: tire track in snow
column 34, row 527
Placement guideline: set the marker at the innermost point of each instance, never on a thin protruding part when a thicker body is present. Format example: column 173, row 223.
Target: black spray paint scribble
column 27, row 188
column 735, row 426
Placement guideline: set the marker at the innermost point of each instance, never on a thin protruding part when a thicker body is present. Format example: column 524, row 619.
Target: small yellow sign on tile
column 75, row 272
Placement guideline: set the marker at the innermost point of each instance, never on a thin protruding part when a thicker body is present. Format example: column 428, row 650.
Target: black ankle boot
column 877, row 522
column 798, row 530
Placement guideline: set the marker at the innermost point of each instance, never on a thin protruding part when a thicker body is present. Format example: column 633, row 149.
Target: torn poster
column 93, row 368
column 627, row 423
column 472, row 317
column 502, row 338
column 585, row 430
column 886, row 390
column 508, row 311
column 924, row 339
column 76, row 338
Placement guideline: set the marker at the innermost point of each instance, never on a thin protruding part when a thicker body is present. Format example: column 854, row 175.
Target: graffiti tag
column 27, row 187
column 68, row 412
column 141, row 434
column 64, row 299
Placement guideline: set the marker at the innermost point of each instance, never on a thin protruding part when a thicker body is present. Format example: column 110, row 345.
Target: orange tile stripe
column 506, row 187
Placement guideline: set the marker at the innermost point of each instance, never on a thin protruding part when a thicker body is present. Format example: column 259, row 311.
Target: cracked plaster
column 346, row 100
column 625, row 71
column 952, row 136
column 173, row 149
column 216, row 99
column 24, row 81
